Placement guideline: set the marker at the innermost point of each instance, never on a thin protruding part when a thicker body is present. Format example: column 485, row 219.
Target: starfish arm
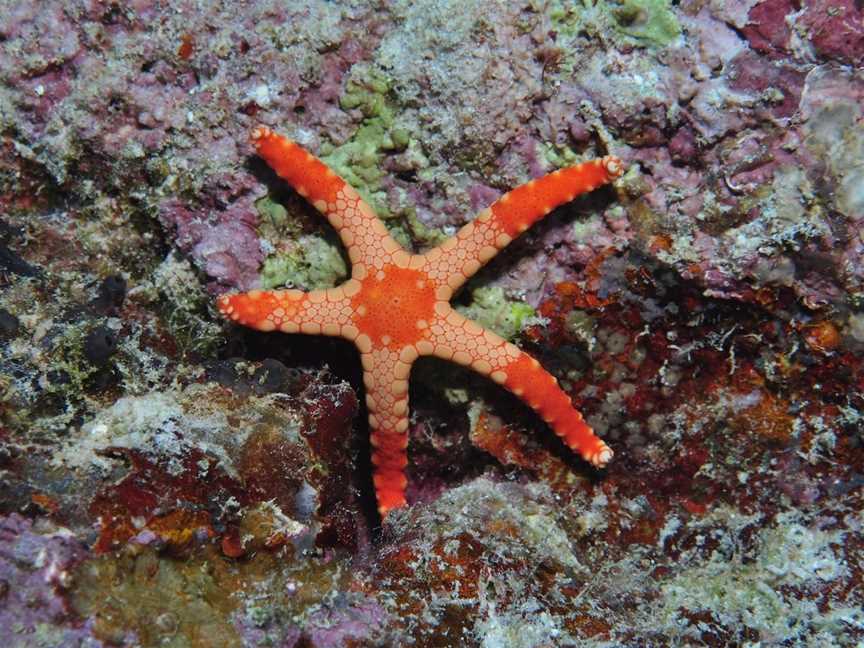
column 325, row 312
column 453, row 337
column 459, row 257
column 385, row 375
column 364, row 235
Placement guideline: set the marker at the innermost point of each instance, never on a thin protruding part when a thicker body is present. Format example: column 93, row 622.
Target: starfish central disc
column 394, row 305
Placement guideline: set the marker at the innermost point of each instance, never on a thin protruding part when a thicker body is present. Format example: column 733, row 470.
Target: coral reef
column 167, row 479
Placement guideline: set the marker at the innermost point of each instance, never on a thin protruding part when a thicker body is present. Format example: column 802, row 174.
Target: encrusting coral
column 395, row 307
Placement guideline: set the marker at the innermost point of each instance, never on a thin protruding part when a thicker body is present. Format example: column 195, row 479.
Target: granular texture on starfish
column 395, row 307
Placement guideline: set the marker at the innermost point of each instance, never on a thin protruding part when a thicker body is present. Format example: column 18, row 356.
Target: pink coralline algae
column 225, row 245
column 767, row 28
column 37, row 564
column 836, row 29
column 683, row 146
column 833, row 28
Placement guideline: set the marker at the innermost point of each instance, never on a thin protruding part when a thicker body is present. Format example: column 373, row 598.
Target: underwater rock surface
column 167, row 479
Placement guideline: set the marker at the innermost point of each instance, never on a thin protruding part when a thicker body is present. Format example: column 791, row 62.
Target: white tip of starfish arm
column 223, row 303
column 613, row 165
column 260, row 132
column 602, row 457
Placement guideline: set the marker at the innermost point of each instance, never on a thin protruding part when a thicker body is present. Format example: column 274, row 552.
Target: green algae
column 491, row 308
column 427, row 237
column 643, row 23
column 274, row 220
column 650, row 22
column 313, row 263
column 307, row 261
column 558, row 156
column 359, row 159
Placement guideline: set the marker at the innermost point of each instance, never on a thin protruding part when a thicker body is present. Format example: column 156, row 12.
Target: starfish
column 395, row 307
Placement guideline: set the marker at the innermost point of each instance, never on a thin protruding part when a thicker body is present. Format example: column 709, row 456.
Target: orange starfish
column 395, row 307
